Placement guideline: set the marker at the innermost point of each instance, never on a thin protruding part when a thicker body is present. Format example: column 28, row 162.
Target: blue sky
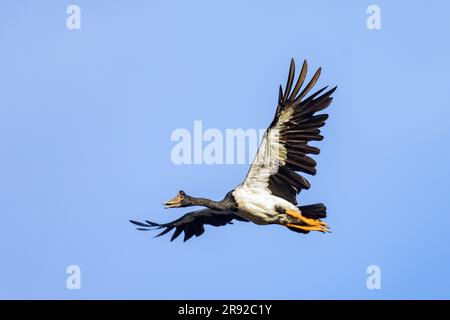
column 86, row 118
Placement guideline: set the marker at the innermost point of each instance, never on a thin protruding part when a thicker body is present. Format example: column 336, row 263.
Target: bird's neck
column 228, row 203
column 215, row 205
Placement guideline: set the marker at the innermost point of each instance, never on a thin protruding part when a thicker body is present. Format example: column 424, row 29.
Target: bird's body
column 261, row 208
column 268, row 193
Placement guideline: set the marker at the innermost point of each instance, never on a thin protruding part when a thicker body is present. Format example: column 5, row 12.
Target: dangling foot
column 308, row 228
column 311, row 224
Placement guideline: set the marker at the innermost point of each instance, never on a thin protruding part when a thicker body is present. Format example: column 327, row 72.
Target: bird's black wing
column 284, row 148
column 191, row 223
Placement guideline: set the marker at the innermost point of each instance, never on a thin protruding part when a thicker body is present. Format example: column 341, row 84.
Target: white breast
column 260, row 207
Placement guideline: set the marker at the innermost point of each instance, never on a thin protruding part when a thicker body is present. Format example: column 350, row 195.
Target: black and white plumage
column 268, row 193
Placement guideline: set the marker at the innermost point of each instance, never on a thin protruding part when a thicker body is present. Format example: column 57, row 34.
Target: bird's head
column 180, row 200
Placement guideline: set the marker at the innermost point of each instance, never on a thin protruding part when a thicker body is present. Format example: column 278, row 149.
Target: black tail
column 314, row 211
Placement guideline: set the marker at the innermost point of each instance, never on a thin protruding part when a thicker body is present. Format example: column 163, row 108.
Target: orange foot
column 311, row 224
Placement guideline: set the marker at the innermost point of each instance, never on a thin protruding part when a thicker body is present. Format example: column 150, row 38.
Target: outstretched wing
column 284, row 147
column 191, row 223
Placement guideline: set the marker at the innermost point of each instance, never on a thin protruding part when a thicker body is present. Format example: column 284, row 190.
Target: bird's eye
column 181, row 193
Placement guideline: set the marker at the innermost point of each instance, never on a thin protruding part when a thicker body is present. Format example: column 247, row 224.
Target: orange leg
column 309, row 228
column 309, row 222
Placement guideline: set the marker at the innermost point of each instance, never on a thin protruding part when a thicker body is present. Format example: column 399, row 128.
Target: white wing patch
column 271, row 155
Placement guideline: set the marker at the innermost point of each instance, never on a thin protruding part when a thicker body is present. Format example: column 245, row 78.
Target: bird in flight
column 268, row 193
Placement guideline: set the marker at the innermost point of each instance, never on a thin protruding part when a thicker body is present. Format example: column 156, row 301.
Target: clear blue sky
column 85, row 124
